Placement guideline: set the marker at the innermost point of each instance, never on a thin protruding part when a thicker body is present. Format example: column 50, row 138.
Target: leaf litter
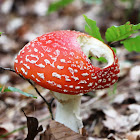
column 106, row 116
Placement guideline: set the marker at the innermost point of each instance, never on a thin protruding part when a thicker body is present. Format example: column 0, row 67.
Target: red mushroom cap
column 56, row 61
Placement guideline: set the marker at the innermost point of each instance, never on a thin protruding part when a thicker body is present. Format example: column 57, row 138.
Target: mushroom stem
column 68, row 111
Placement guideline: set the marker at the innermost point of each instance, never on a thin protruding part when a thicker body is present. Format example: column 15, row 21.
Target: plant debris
column 112, row 113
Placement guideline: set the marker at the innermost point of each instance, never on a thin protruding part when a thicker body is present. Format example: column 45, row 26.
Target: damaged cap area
column 59, row 61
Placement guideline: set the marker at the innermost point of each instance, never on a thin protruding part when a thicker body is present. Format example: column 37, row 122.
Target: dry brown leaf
column 57, row 131
column 133, row 135
column 3, row 131
column 120, row 123
column 33, row 127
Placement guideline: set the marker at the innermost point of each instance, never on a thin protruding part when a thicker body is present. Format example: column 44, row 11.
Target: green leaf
column 132, row 44
column 58, row 4
column 114, row 49
column 124, row 0
column 112, row 91
column 12, row 89
column 101, row 59
column 5, row 89
column 93, row 1
column 136, row 27
column 92, row 29
column 117, row 33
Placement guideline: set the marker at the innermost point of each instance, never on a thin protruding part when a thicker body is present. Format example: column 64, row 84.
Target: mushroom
column 59, row 62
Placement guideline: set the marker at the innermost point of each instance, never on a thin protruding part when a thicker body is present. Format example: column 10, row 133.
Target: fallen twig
column 48, row 103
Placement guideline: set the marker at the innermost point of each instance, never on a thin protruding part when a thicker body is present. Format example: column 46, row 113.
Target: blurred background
column 112, row 113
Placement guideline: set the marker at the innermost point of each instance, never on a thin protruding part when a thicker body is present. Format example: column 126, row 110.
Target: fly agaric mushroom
column 59, row 62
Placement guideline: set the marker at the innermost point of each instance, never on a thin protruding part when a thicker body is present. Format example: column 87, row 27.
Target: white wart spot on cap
column 73, row 65
column 113, row 81
column 17, row 69
column 33, row 76
column 65, row 90
column 99, row 86
column 40, row 65
column 23, row 70
column 72, row 53
column 90, row 84
column 48, row 41
column 51, row 82
column 95, row 77
column 42, row 54
column 46, row 49
column 60, row 67
column 69, row 61
column 28, row 67
column 109, row 79
column 93, row 74
column 75, row 78
column 57, row 52
column 67, row 79
column 36, row 50
column 54, row 74
column 59, row 86
column 48, row 62
column 113, row 75
column 77, row 87
column 107, row 85
column 82, row 82
column 16, row 61
column 96, row 84
column 62, row 60
column 71, row 70
column 64, row 48
column 100, row 80
column 71, row 86
column 30, row 60
column 38, row 80
column 84, row 74
column 41, row 75
column 104, row 80
column 54, row 58
column 75, row 70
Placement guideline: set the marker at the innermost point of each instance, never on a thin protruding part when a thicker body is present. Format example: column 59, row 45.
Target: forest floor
column 110, row 114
